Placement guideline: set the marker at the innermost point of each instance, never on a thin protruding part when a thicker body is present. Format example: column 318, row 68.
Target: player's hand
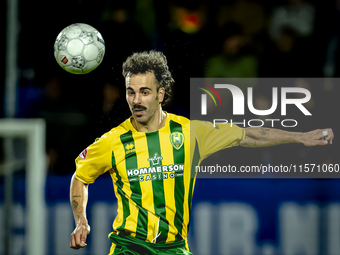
column 78, row 237
column 318, row 137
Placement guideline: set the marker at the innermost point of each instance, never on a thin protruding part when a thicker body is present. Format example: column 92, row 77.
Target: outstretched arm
column 78, row 199
column 263, row 137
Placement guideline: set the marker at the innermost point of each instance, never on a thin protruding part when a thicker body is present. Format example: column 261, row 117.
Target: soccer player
column 151, row 158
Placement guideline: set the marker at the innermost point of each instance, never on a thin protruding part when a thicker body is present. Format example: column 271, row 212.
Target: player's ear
column 161, row 93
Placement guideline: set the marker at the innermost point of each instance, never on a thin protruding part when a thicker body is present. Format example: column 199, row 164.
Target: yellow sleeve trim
column 82, row 180
column 243, row 134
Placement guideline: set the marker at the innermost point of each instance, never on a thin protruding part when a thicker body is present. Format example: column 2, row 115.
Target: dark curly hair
column 155, row 62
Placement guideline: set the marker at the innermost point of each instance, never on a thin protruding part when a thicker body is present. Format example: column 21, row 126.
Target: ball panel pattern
column 75, row 47
column 79, row 48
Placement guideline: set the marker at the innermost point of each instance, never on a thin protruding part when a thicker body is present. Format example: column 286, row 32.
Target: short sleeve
column 94, row 160
column 212, row 139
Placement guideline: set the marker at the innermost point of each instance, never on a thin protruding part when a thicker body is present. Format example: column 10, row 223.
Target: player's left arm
column 263, row 137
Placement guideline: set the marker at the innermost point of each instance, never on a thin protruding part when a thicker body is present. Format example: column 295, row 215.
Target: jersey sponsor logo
column 177, row 140
column 156, row 171
column 129, row 148
column 83, row 154
column 160, row 172
column 155, row 160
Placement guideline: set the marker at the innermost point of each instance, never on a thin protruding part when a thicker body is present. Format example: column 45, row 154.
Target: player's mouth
column 138, row 110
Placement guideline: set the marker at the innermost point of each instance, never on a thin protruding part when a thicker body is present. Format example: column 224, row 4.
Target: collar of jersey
column 132, row 128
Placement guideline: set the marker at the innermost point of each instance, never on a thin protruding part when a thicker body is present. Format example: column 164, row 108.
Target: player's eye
column 130, row 93
column 145, row 92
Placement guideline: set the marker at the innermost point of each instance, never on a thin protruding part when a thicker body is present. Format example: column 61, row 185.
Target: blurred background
column 233, row 38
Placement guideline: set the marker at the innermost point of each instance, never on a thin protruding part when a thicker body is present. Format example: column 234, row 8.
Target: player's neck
column 157, row 122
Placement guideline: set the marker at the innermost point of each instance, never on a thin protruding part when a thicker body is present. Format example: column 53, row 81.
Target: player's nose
column 136, row 99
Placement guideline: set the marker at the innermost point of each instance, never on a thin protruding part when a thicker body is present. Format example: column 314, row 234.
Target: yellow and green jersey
column 154, row 173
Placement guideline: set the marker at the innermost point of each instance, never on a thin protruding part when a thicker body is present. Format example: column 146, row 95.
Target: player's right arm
column 78, row 200
column 92, row 162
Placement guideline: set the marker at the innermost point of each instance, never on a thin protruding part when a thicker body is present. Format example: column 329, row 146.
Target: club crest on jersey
column 83, row 154
column 177, row 140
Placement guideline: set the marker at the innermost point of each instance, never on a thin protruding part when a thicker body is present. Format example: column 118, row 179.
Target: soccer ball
column 79, row 48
